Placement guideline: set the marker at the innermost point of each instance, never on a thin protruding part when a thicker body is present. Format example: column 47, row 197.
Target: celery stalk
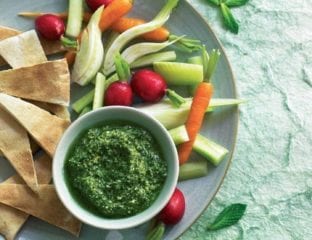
column 75, row 16
column 84, row 101
column 99, row 91
column 172, row 117
column 134, row 32
column 122, row 68
column 195, row 60
column 85, row 110
column 87, row 99
column 154, row 57
column 212, row 151
column 193, row 170
column 179, row 135
column 175, row 98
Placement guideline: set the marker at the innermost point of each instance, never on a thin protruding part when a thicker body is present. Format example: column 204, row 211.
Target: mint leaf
column 229, row 19
column 228, row 217
column 235, row 3
column 215, row 2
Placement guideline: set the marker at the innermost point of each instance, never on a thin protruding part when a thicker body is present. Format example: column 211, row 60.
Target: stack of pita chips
column 34, row 96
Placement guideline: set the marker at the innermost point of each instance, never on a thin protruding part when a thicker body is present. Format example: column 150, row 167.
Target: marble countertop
column 272, row 166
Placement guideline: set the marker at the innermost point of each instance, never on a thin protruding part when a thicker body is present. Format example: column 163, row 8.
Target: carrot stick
column 159, row 35
column 193, row 124
column 113, row 12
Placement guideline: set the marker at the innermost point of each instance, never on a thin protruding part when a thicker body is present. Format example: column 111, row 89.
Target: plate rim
column 233, row 80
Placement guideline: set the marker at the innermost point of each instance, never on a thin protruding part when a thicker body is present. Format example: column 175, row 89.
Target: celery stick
column 75, row 16
column 134, row 32
column 88, row 97
column 212, row 63
column 84, row 101
column 154, row 57
column 122, row 68
column 99, row 91
column 85, row 110
column 179, row 135
column 179, row 73
column 193, row 170
column 212, row 151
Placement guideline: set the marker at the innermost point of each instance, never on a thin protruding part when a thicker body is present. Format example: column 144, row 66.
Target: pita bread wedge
column 45, row 82
column 22, row 50
column 14, row 144
column 46, row 205
column 44, row 127
column 58, row 110
column 49, row 47
column 11, row 219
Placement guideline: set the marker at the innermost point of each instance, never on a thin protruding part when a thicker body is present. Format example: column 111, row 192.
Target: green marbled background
column 271, row 170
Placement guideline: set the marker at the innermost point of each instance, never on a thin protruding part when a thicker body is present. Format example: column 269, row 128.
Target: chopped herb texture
column 116, row 168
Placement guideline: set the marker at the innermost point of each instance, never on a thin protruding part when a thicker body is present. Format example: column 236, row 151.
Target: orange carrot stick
column 159, row 35
column 193, row 124
column 113, row 12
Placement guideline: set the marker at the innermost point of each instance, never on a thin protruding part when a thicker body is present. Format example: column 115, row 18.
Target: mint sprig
column 235, row 3
column 228, row 18
column 228, row 217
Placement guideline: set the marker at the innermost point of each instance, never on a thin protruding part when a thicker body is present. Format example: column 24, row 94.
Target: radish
column 119, row 93
column 148, row 85
column 51, row 27
column 174, row 210
column 95, row 4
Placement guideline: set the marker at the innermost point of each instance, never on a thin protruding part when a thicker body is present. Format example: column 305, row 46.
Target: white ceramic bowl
column 109, row 114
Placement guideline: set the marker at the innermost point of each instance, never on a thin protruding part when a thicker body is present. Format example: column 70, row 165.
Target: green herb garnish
column 228, row 18
column 228, row 217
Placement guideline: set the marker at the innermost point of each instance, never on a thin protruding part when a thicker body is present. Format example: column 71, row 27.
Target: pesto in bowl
column 115, row 170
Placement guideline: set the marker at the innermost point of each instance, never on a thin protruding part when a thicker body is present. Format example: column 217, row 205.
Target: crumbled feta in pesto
column 117, row 168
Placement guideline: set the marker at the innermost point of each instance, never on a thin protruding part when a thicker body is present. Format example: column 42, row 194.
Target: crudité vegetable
column 109, row 63
column 50, row 26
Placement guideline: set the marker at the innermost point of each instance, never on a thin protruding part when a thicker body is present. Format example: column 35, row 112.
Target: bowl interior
column 109, row 114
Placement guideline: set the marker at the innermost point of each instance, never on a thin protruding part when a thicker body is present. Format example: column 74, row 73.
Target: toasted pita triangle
column 46, row 205
column 56, row 109
column 11, row 219
column 49, row 47
column 44, row 127
column 45, row 82
column 14, row 144
column 22, row 50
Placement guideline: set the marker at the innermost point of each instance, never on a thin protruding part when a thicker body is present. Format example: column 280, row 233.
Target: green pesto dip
column 116, row 170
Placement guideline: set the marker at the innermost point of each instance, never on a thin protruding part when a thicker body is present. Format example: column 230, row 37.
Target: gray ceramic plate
column 220, row 126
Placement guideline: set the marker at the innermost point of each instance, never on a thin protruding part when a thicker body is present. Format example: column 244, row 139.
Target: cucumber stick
column 90, row 55
column 199, row 61
column 191, row 170
column 75, row 17
column 180, row 74
column 149, row 59
column 136, row 31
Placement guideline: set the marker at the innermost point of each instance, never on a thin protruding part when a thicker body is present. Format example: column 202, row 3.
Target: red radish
column 174, row 210
column 148, row 85
column 119, row 93
column 51, row 27
column 95, row 4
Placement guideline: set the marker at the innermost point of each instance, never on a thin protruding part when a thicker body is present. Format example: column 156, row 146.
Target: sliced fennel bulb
column 134, row 32
column 90, row 55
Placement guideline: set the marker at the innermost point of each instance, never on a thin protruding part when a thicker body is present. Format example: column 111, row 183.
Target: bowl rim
column 97, row 221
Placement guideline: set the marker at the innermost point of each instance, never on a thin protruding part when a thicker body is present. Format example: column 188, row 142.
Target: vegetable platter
column 220, row 125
